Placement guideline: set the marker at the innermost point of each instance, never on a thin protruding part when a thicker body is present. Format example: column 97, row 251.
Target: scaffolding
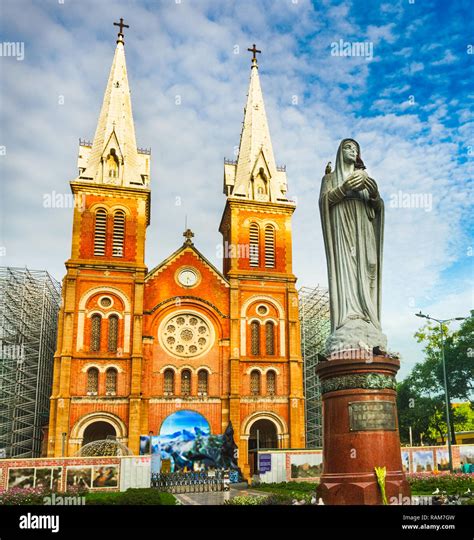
column 29, row 305
column 315, row 326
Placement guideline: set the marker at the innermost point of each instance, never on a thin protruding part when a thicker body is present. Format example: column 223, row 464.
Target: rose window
column 186, row 335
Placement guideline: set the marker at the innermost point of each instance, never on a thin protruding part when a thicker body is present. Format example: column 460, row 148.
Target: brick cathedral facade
column 136, row 345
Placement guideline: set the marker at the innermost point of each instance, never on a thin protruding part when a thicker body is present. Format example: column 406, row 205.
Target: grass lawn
column 131, row 496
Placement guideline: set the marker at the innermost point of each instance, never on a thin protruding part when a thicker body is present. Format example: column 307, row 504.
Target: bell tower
column 264, row 335
column 100, row 322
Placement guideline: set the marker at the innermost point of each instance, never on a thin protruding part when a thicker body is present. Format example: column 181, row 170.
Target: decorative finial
column 254, row 51
column 122, row 25
column 188, row 234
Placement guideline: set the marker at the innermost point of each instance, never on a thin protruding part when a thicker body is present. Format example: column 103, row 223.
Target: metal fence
column 191, row 482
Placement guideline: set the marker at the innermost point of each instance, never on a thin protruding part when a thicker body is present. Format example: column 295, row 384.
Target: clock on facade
column 188, row 277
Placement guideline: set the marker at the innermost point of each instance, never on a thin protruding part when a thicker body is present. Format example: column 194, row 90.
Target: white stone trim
column 82, row 310
column 119, row 315
column 169, row 366
column 280, row 424
column 263, row 298
column 255, row 368
column 77, row 432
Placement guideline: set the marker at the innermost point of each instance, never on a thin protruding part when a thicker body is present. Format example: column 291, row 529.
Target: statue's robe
column 352, row 226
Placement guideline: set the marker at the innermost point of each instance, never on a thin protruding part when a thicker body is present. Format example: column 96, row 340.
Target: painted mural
column 186, row 443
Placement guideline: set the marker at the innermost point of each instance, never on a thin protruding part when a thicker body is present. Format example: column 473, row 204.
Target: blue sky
column 410, row 108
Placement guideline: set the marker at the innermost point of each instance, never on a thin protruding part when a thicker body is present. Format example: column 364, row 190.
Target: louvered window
column 269, row 246
column 111, row 381
column 100, row 232
column 254, row 245
column 202, row 382
column 255, row 383
column 185, row 382
column 270, row 338
column 255, row 338
column 92, row 380
column 96, row 323
column 169, row 382
column 113, row 333
column 119, row 233
column 271, row 383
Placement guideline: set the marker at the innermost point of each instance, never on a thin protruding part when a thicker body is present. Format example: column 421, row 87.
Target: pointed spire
column 256, row 174
column 113, row 158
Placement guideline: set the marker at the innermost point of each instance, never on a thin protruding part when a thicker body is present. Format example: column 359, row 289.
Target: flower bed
column 453, row 484
column 38, row 495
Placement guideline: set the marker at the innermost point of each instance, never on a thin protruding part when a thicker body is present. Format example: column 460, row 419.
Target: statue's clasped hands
column 359, row 180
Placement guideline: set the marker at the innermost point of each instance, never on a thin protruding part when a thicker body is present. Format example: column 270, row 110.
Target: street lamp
column 446, row 398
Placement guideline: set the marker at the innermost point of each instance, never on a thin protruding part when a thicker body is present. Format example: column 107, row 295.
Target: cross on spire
column 122, row 25
column 254, row 50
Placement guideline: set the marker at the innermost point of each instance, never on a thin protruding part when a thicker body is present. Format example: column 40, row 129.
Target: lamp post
column 446, row 397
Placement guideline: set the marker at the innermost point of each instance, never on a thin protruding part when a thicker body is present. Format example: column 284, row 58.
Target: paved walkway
column 215, row 497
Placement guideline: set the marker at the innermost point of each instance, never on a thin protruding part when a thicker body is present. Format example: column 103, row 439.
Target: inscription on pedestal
column 372, row 416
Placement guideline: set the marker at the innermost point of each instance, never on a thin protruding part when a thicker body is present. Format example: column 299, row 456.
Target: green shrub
column 138, row 496
column 289, row 487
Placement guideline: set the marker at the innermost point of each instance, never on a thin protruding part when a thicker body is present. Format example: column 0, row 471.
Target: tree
column 421, row 400
column 459, row 356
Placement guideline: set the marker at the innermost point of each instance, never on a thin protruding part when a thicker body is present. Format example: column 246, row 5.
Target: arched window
column 113, row 333
column 269, row 246
column 255, row 338
column 119, row 233
column 111, row 381
column 92, row 381
column 185, row 382
column 96, row 323
column 100, row 232
column 271, row 382
column 255, row 383
column 254, row 247
column 202, row 382
column 269, row 338
column 169, row 382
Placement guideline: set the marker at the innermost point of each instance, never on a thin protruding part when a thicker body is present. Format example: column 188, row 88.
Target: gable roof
column 186, row 247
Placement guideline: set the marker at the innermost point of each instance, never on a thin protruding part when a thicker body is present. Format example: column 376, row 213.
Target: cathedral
column 137, row 345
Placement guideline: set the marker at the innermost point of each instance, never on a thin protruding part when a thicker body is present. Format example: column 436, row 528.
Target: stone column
column 360, row 430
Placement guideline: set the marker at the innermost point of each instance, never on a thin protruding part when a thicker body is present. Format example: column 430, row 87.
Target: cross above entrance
column 188, row 234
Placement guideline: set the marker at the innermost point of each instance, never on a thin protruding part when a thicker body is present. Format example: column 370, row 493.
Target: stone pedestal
column 360, row 429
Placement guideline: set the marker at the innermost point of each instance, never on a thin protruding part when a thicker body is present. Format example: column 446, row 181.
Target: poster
column 105, row 476
column 442, row 459
column 21, row 478
column 466, row 454
column 406, row 461
column 423, row 461
column 79, row 476
column 264, row 463
column 306, row 465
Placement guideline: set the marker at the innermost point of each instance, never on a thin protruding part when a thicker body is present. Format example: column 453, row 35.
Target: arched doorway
column 263, row 434
column 98, row 431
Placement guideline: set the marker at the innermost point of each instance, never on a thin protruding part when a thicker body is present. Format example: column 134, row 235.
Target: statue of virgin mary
column 352, row 216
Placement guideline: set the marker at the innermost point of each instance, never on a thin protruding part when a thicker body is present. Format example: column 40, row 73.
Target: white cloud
column 178, row 50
